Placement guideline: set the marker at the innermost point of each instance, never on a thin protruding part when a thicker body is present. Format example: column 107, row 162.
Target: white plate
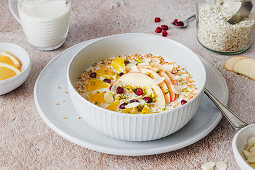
column 46, row 94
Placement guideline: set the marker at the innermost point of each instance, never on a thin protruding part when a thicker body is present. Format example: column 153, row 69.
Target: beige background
column 27, row 143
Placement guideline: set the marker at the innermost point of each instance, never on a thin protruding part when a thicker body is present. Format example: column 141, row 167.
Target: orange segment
column 146, row 110
column 127, row 110
column 118, row 64
column 105, row 72
column 7, row 58
column 97, row 98
column 113, row 106
column 95, row 84
column 8, row 71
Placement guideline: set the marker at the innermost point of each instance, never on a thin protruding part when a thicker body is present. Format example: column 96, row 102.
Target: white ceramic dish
column 14, row 82
column 77, row 131
column 239, row 143
column 135, row 127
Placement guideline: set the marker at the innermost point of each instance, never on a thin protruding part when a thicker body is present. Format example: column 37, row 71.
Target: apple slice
column 167, row 80
column 162, row 85
column 230, row 62
column 140, row 80
column 246, row 67
column 171, row 76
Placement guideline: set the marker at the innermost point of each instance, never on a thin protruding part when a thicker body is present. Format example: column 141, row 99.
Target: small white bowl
column 14, row 82
column 135, row 127
column 239, row 143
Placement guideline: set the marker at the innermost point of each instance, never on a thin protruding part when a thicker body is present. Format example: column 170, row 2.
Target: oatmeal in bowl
column 137, row 84
column 136, row 87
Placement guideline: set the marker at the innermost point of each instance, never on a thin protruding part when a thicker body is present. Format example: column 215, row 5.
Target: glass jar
column 216, row 34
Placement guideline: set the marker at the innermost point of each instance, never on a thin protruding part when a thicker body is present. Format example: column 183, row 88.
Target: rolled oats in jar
column 216, row 34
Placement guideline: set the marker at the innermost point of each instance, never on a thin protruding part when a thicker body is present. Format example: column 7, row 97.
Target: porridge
column 136, row 84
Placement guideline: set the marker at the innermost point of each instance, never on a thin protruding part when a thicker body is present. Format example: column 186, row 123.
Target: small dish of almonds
column 243, row 146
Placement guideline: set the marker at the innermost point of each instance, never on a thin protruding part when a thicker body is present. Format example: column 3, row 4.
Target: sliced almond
column 252, row 149
column 108, row 97
column 230, row 62
column 221, row 165
column 248, row 154
column 132, row 105
column 246, row 67
column 251, row 141
column 208, row 166
column 251, row 160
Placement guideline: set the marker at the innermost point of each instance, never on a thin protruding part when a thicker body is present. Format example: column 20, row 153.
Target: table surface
column 26, row 141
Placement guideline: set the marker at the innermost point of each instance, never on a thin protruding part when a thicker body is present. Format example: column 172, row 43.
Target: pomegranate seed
column 157, row 19
column 120, row 90
column 164, row 27
column 107, row 80
column 175, row 21
column 121, row 74
column 122, row 106
column 110, row 87
column 126, row 62
column 93, row 75
column 138, row 92
column 158, row 30
column 132, row 101
column 164, row 33
column 180, row 23
column 183, row 102
column 147, row 99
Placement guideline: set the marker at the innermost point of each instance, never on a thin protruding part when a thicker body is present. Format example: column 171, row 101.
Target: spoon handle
column 192, row 16
column 231, row 117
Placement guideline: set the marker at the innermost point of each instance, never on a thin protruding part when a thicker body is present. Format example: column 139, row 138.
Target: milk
column 45, row 24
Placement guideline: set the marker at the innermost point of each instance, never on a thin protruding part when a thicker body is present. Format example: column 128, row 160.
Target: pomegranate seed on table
column 120, row 90
column 164, row 33
column 122, row 106
column 132, row 101
column 110, row 87
column 157, row 19
column 175, row 21
column 158, row 30
column 93, row 75
column 183, row 102
column 180, row 23
column 138, row 92
column 164, row 27
column 147, row 99
column 107, row 80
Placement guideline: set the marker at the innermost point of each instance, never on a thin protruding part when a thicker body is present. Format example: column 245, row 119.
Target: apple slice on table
column 140, row 80
column 162, row 85
column 246, row 66
column 230, row 62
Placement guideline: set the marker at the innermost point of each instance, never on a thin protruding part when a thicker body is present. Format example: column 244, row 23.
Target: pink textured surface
column 26, row 141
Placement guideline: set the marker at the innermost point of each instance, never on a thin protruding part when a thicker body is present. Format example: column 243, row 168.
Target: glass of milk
column 44, row 22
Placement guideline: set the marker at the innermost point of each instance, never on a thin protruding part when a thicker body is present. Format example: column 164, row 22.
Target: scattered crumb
column 66, row 91
column 78, row 117
column 59, row 87
column 57, row 103
column 65, row 117
column 63, row 101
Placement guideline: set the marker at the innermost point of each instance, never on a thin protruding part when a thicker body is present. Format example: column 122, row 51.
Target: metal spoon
column 186, row 21
column 243, row 12
column 231, row 117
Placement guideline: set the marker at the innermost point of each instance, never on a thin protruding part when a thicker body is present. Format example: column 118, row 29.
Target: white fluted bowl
column 135, row 127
